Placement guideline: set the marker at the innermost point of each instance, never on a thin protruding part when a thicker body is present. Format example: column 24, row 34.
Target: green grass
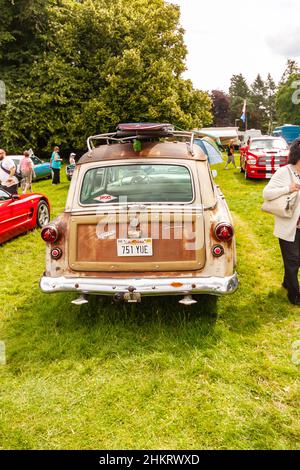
column 151, row 376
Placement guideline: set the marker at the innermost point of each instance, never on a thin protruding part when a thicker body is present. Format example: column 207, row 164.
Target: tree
column 110, row 62
column 292, row 68
column 288, row 101
column 258, row 115
column 238, row 92
column 271, row 102
column 220, row 108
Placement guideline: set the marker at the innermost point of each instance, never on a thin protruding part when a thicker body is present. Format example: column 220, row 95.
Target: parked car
column 263, row 156
column 42, row 169
column 143, row 218
column 20, row 213
column 69, row 171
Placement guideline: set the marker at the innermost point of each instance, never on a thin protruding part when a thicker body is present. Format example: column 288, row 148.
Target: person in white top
column 7, row 170
column 72, row 160
column 286, row 180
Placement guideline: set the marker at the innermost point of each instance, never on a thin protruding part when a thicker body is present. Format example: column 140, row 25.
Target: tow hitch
column 131, row 296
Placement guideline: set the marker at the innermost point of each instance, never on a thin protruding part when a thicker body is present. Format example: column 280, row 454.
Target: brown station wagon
column 143, row 218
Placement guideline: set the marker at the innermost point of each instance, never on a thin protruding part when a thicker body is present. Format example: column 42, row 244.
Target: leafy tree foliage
column 288, row 101
column 74, row 68
column 261, row 101
column 292, row 68
column 258, row 114
column 221, row 108
column 271, row 102
column 238, row 92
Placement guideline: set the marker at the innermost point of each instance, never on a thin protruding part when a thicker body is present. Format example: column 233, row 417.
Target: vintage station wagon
column 143, row 218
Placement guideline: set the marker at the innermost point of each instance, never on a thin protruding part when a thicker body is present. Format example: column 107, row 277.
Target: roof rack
column 142, row 131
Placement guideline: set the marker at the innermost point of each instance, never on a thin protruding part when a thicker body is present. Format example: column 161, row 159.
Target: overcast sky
column 226, row 37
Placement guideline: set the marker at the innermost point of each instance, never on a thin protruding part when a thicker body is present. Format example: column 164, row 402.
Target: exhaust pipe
column 119, row 297
column 187, row 300
column 80, row 301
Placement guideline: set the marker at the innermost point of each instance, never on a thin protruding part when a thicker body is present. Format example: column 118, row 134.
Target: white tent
column 222, row 135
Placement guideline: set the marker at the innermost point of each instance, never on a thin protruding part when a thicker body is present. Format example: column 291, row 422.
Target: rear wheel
column 42, row 214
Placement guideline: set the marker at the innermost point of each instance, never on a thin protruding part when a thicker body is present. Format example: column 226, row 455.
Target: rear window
column 137, row 183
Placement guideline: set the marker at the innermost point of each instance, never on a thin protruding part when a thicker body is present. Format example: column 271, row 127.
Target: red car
column 263, row 156
column 20, row 213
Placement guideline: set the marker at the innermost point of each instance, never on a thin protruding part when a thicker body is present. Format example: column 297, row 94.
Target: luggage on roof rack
column 127, row 132
column 144, row 128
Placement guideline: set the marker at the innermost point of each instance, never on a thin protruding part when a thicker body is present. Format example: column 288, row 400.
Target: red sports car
column 20, row 213
column 263, row 156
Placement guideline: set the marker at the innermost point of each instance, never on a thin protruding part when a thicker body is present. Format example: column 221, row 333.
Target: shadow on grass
column 49, row 328
column 251, row 311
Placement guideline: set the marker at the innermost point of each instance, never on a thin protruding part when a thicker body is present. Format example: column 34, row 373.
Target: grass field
column 152, row 376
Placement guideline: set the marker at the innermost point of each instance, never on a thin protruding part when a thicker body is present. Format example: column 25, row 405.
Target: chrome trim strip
column 147, row 286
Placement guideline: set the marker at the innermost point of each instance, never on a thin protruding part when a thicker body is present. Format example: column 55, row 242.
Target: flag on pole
column 243, row 116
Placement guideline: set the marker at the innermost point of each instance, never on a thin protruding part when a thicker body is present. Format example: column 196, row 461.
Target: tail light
column 224, row 232
column 50, row 233
column 217, row 251
column 56, row 253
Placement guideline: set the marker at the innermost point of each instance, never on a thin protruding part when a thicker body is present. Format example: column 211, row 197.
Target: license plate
column 134, row 247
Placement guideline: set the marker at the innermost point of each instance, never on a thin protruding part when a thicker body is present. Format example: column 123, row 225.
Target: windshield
column 137, row 183
column 4, row 195
column 35, row 160
column 268, row 144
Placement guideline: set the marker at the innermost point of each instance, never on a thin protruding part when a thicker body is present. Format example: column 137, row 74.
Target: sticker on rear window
column 105, row 198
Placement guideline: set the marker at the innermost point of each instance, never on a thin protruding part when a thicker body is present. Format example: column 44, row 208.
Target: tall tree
column 238, row 92
column 292, row 68
column 90, row 64
column 288, row 101
column 220, row 108
column 271, row 102
column 258, row 115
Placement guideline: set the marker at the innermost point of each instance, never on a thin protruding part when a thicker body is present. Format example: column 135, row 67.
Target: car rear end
column 141, row 226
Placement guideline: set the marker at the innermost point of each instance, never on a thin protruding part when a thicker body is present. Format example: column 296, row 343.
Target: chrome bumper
column 145, row 287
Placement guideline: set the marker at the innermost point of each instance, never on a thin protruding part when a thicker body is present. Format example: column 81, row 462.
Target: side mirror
column 214, row 173
column 15, row 197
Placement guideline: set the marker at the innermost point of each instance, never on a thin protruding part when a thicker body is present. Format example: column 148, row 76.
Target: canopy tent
column 221, row 135
column 211, row 141
column 213, row 154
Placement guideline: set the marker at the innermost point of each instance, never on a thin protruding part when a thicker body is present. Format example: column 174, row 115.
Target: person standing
column 72, row 160
column 286, row 180
column 27, row 172
column 55, row 163
column 230, row 154
column 7, row 171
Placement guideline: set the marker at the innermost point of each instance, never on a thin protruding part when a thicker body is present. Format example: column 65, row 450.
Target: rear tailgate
column 175, row 240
